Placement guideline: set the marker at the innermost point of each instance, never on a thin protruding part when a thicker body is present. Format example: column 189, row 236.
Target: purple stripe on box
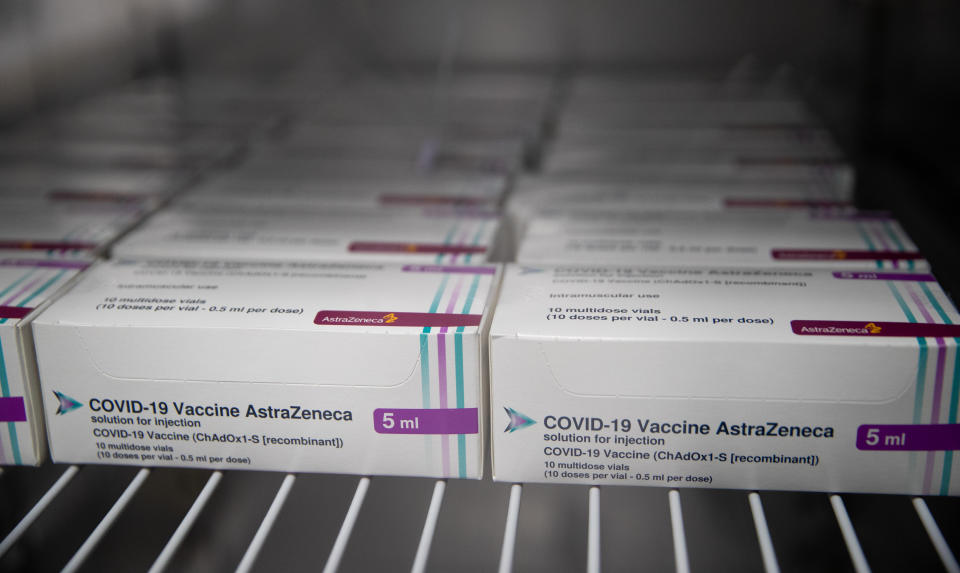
column 442, row 372
column 842, row 255
column 460, row 241
column 13, row 409
column 14, row 312
column 858, row 216
column 378, row 247
column 426, row 421
column 905, row 437
column 868, row 276
column 387, row 318
column 449, row 269
column 64, row 194
column 937, row 384
column 884, row 245
column 21, row 292
column 789, row 161
column 873, row 328
column 47, row 245
column 784, row 203
column 456, row 200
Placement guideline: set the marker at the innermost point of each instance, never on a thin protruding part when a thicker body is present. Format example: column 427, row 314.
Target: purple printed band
column 372, row 247
column 426, row 421
column 45, row 263
column 15, row 312
column 867, row 276
column 47, row 245
column 789, row 161
column 64, row 194
column 784, row 203
column 386, row 318
column 858, row 216
column 869, row 328
column 915, row 437
column 842, row 255
column 449, row 269
column 453, row 200
column 13, row 409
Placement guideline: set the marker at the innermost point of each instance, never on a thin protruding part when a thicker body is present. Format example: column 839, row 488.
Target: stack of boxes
column 319, row 305
column 302, row 274
column 697, row 303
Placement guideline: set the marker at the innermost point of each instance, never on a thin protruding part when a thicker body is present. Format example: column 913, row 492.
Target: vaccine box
column 619, row 154
column 38, row 227
column 118, row 184
column 742, row 138
column 814, row 380
column 427, row 193
column 777, row 238
column 300, row 367
column 25, row 287
column 629, row 113
column 282, row 234
column 557, row 196
column 824, row 171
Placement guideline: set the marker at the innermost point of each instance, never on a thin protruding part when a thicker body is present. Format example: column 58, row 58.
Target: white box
column 420, row 145
column 744, row 112
column 198, row 232
column 731, row 378
column 117, row 183
column 25, row 287
column 189, row 154
column 423, row 193
column 746, row 139
column 323, row 367
column 778, row 238
column 556, row 196
column 36, row 227
column 831, row 172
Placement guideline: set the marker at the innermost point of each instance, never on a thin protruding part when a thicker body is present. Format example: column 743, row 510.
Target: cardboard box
column 38, row 227
column 420, row 194
column 304, row 367
column 558, row 196
column 813, row 380
column 324, row 234
column 625, row 113
column 25, row 287
column 778, row 238
column 120, row 184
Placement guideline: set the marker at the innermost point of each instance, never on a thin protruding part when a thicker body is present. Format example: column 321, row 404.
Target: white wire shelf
column 98, row 518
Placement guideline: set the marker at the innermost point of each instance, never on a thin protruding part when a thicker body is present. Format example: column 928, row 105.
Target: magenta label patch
column 426, row 421
column 452, row 200
column 12, row 409
column 785, row 203
column 387, row 318
column 789, row 161
column 871, row 328
column 858, row 216
column 47, row 245
column 370, row 247
column 842, row 255
column 94, row 195
column 923, row 437
column 449, row 269
column 913, row 277
column 14, row 312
